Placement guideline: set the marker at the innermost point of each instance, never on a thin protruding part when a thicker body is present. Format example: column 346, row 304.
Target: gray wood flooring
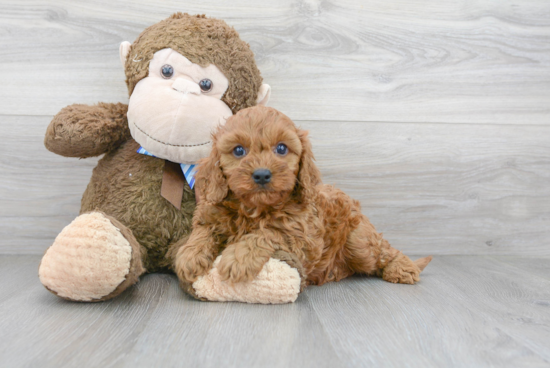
column 467, row 311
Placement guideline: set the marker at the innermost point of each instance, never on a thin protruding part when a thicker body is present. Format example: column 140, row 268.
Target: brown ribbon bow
column 173, row 182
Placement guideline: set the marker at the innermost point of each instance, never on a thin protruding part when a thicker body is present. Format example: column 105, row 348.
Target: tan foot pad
column 277, row 283
column 87, row 260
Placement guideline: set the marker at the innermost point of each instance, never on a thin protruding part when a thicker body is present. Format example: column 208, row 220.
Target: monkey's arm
column 86, row 131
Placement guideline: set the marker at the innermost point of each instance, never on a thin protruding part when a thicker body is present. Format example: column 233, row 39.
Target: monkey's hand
column 86, row 131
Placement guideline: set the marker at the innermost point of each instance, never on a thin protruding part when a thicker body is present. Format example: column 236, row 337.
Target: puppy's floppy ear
column 308, row 174
column 210, row 182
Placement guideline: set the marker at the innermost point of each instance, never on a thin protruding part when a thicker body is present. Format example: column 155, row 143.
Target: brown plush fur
column 294, row 212
column 203, row 41
column 87, row 131
column 126, row 185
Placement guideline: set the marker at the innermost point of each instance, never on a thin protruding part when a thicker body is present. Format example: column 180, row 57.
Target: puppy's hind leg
column 369, row 253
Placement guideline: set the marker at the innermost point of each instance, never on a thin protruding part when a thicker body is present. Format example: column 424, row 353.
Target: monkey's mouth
column 176, row 129
column 166, row 143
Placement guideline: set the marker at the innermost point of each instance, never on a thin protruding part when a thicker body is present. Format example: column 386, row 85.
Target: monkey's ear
column 123, row 51
column 263, row 95
column 210, row 181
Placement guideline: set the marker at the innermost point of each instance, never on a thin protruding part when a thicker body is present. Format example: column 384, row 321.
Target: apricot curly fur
column 248, row 223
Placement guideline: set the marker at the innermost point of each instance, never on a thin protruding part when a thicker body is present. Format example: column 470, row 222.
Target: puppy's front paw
column 401, row 270
column 239, row 269
column 192, row 263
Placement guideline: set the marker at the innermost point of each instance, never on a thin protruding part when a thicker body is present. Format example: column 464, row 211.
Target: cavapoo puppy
column 261, row 194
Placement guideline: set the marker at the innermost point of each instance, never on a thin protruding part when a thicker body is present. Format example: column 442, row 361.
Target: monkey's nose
column 261, row 176
column 186, row 86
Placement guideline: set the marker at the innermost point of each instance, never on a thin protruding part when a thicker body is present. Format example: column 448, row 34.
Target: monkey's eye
column 167, row 71
column 206, row 85
column 281, row 149
column 239, row 151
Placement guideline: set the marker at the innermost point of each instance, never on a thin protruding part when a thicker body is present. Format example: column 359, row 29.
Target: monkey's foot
column 280, row 281
column 93, row 259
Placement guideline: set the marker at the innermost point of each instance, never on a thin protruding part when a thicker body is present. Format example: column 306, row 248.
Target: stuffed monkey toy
column 185, row 75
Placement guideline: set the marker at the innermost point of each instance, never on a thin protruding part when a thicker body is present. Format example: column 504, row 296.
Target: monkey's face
column 173, row 110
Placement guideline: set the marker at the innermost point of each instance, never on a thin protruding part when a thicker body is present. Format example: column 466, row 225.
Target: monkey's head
column 186, row 75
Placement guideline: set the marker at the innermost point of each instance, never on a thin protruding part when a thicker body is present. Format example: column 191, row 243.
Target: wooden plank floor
column 468, row 311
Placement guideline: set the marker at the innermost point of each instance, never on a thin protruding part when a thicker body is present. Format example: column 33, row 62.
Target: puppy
column 261, row 194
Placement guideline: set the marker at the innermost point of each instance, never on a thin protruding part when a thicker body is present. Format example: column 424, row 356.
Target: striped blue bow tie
column 189, row 171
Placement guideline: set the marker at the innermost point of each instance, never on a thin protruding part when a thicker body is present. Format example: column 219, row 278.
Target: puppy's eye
column 167, row 71
column 206, row 85
column 239, row 151
column 281, row 149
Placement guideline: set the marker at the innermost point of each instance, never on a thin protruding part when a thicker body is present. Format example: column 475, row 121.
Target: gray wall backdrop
column 434, row 114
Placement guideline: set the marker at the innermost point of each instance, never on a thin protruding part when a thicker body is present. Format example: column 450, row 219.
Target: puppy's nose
column 261, row 176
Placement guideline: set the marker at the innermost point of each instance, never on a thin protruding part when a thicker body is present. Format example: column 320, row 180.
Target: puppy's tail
column 423, row 262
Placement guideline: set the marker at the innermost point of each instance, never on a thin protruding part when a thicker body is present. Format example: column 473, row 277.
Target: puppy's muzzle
column 261, row 176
